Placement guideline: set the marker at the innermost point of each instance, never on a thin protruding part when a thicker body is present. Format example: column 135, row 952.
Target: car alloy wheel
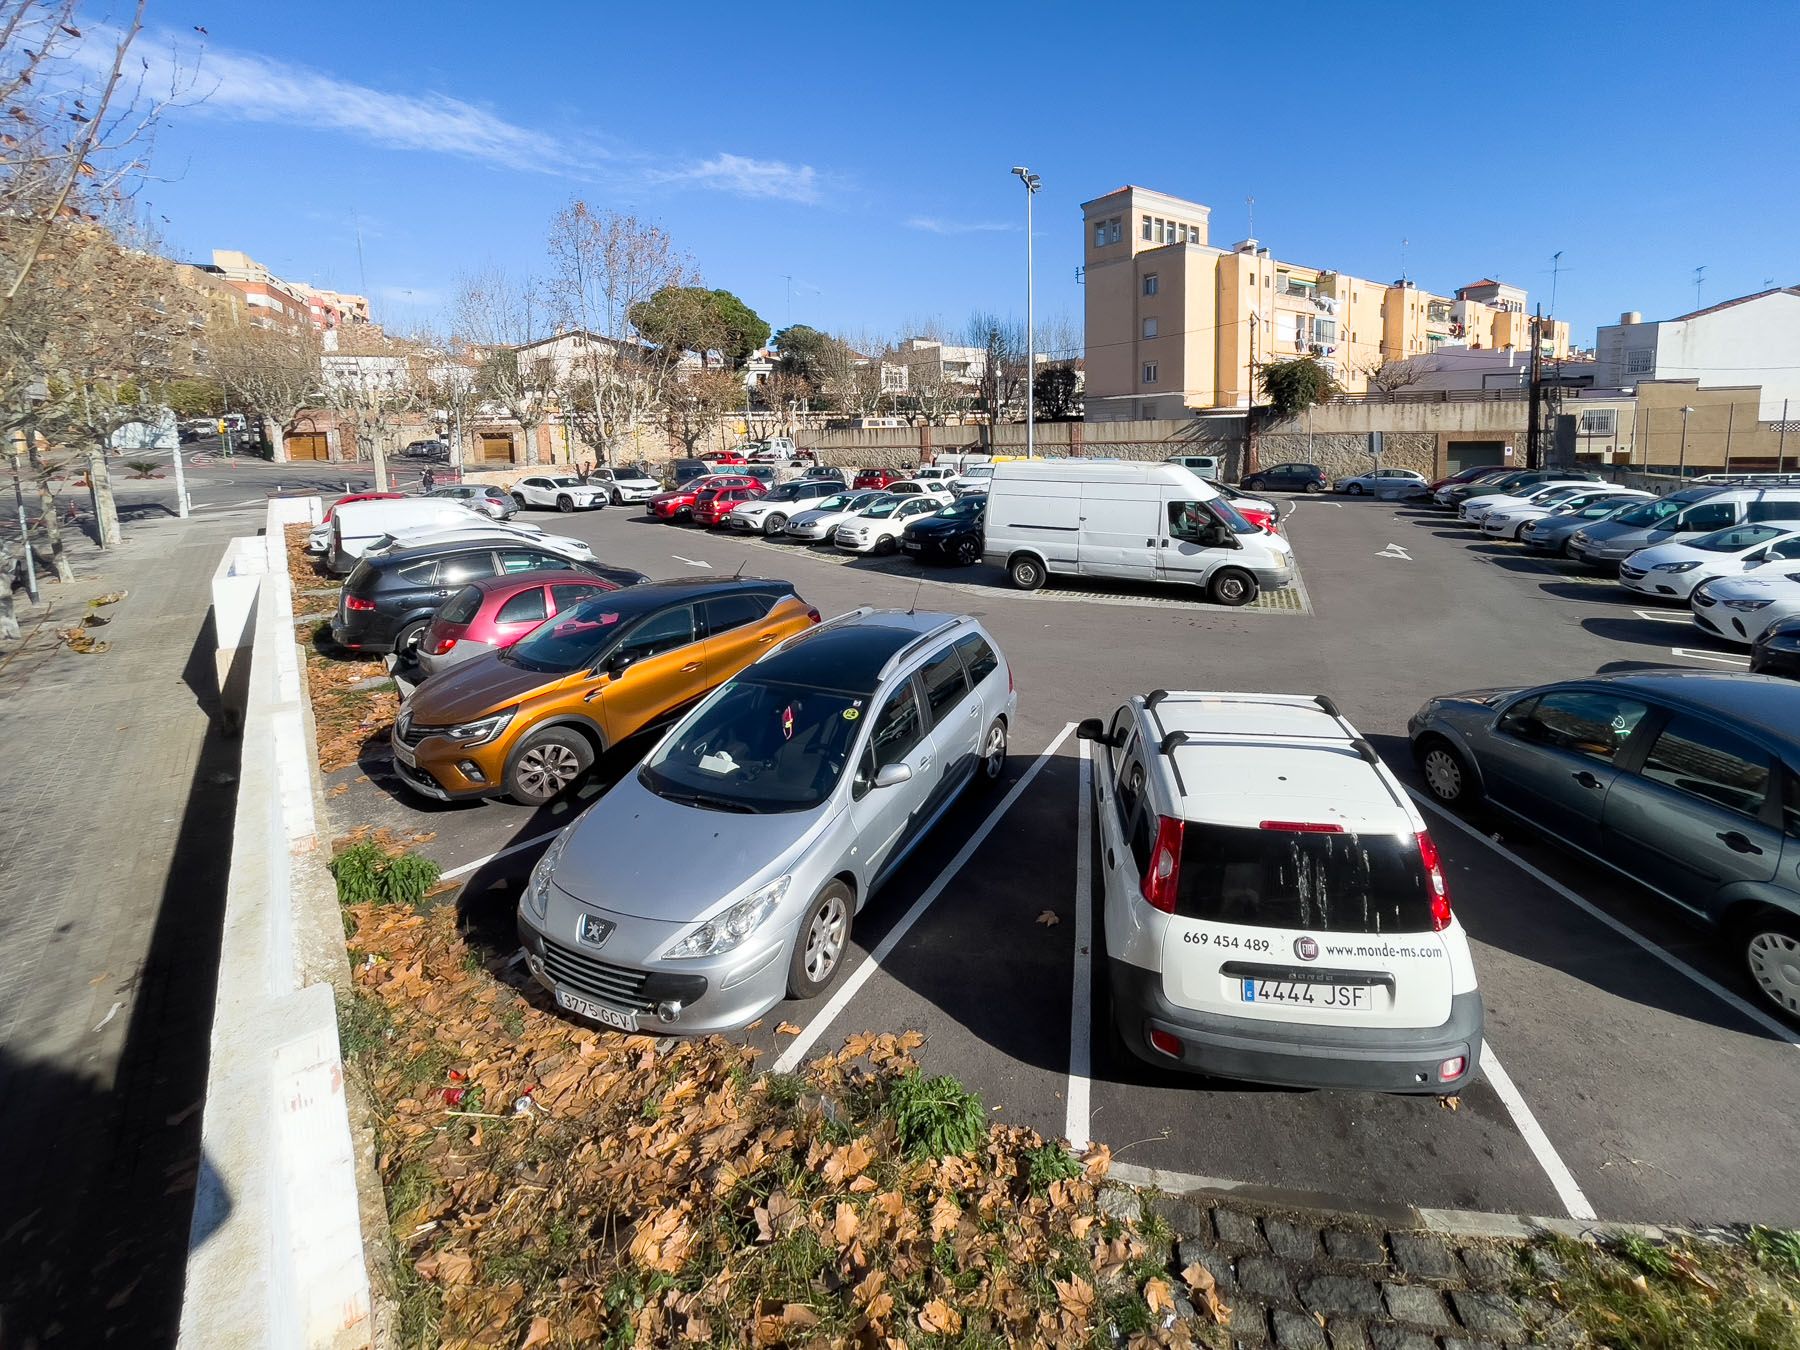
column 968, row 551
column 993, row 753
column 775, row 524
column 1315, row 486
column 618, row 498
column 548, row 765
column 564, row 503
column 823, row 937
column 406, row 642
column 519, row 500
column 1444, row 773
column 1772, row 954
column 1355, row 489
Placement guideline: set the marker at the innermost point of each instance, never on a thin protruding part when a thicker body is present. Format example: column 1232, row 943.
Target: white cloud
column 750, row 177
column 934, row 225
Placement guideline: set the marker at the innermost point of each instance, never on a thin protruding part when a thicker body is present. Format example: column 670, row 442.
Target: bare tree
column 781, row 393
column 1386, row 374
column 603, row 263
column 372, row 382
column 851, row 377
column 693, row 401
column 1000, row 383
column 274, row 370
column 500, row 319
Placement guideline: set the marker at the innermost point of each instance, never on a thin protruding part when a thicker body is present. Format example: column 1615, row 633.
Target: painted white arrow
column 691, row 562
column 1395, row 551
column 1724, row 659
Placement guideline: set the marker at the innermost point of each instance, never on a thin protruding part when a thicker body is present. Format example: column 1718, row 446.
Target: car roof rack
column 917, row 643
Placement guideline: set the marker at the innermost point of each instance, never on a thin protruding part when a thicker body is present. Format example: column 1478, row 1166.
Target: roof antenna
column 740, row 572
column 914, row 607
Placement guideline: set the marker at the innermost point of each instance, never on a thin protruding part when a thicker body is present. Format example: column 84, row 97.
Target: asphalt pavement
column 1628, row 1078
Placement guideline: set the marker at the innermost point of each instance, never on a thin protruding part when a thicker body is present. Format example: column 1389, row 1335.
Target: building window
column 1099, row 234
column 1147, row 224
column 1113, row 229
column 1150, row 328
column 1598, row 422
column 1149, row 372
column 1150, row 283
column 1640, row 361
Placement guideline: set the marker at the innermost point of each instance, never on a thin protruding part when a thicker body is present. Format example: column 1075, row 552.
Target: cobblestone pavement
column 115, row 836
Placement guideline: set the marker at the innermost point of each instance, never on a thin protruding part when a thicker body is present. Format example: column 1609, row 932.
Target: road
column 1618, row 1039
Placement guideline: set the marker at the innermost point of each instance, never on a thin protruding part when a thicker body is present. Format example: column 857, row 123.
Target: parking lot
column 1627, row 1076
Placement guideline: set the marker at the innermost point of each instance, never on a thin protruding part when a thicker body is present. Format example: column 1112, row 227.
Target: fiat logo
column 1306, row 949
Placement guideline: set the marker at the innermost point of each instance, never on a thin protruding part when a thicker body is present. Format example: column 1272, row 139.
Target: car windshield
column 1228, row 513
column 882, row 510
column 758, row 747
column 836, row 502
column 566, row 643
column 1327, row 882
column 1649, row 512
column 1738, row 538
column 787, row 492
column 962, row 510
column 565, row 482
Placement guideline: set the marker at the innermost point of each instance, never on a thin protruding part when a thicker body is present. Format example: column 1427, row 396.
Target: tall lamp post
column 1032, row 182
column 1681, row 469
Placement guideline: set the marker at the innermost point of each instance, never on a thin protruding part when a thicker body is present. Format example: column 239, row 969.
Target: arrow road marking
column 691, row 562
column 1395, row 551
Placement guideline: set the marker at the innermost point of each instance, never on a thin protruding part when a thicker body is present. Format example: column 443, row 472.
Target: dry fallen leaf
column 539, row 1333
column 845, row 1226
column 1450, row 1103
column 787, row 1029
column 1159, row 1296
column 1077, row 1296
column 945, row 1215
column 1049, row 918
column 939, row 1318
column 799, row 1315
column 1205, row 1292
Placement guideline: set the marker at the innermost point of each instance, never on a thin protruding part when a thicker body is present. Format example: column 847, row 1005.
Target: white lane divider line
column 1661, row 616
column 692, row 562
column 1766, row 1021
column 1567, row 1190
column 1081, row 999
column 1722, row 658
column 469, row 867
column 819, row 1025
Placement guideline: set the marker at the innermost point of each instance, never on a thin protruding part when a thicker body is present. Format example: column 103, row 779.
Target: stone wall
column 1342, row 454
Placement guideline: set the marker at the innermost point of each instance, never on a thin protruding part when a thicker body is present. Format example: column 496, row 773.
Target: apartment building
column 1753, row 340
column 1175, row 324
column 272, row 300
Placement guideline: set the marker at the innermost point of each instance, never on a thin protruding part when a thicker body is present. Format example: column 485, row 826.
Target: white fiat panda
column 1274, row 910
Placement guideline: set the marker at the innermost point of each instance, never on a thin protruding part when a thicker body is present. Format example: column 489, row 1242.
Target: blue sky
column 863, row 151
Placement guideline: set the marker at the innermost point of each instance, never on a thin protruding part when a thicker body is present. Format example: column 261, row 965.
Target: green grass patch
column 1776, row 1248
column 366, row 873
column 364, row 1023
column 1049, row 1163
column 935, row 1117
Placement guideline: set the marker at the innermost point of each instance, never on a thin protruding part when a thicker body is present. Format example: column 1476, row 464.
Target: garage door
column 497, row 447
column 307, row 445
column 1459, row 455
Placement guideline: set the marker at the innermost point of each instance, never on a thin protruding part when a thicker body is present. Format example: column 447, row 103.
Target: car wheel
column 1315, row 486
column 407, row 640
column 547, row 765
column 993, row 753
column 518, row 501
column 1026, row 572
column 821, row 942
column 1355, row 490
column 1770, row 942
column 1449, row 778
column 618, row 498
column 886, row 545
column 1519, row 530
column 1231, row 586
column 1252, row 485
column 564, row 502
column 775, row 524
column 968, row 551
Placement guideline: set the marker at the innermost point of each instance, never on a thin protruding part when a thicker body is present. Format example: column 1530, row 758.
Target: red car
column 1263, row 519
column 875, row 478
column 714, row 504
column 489, row 615
column 724, row 457
column 679, row 504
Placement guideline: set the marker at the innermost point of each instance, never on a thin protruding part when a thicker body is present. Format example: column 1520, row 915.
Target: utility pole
column 1533, row 432
column 1781, row 440
column 1699, row 277
column 1032, row 183
column 1681, row 468
column 31, row 586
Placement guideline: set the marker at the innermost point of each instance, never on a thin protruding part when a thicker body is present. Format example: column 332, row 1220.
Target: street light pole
column 1032, row 182
column 1681, row 468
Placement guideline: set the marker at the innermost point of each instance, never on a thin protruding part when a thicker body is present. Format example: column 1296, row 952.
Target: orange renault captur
column 530, row 720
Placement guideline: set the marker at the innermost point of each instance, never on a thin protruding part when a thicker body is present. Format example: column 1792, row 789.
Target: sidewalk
column 114, row 844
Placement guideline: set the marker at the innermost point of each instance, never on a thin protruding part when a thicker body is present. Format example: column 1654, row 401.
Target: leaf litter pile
column 550, row 1184
column 353, row 700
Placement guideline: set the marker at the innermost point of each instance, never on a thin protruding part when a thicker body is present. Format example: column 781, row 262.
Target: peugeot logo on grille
column 1306, row 949
column 593, row 931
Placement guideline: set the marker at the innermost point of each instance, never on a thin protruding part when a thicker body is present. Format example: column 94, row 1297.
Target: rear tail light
column 441, row 645
column 1299, row 827
column 1166, row 1043
column 1451, row 1069
column 813, row 614
column 1434, row 876
column 1164, row 871
column 356, row 602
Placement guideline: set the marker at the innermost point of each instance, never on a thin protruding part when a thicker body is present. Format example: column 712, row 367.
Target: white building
column 934, row 360
column 1753, row 340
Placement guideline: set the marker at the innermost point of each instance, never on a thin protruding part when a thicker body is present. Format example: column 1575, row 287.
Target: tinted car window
column 1788, row 509
column 898, row 728
column 945, row 683
column 1129, row 797
column 1335, row 883
column 422, row 573
column 1787, row 548
column 734, row 611
column 1708, row 762
column 979, row 657
column 660, row 633
column 569, row 643
column 1790, row 803
column 1586, row 721
column 465, row 567
column 462, row 606
column 523, row 560
column 523, row 607
column 567, row 597
column 1707, row 516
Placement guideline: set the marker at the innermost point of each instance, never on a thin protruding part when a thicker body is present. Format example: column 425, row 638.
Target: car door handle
column 1586, row 779
column 591, row 695
column 690, row 667
column 1738, row 843
column 925, row 763
column 1111, row 858
column 766, row 638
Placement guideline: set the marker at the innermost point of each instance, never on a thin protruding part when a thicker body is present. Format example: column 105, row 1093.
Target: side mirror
column 892, row 775
column 1217, row 536
column 1092, row 729
column 619, row 662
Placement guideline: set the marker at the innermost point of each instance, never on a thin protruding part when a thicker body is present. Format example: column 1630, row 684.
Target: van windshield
column 1649, row 513
column 1274, row 878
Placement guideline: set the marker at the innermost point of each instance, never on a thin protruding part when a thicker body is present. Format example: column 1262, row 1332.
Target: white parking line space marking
column 691, row 562
column 1766, row 1021
column 469, row 867
column 1567, row 1190
column 1661, row 616
column 1723, row 658
column 1081, row 1001
column 797, row 1049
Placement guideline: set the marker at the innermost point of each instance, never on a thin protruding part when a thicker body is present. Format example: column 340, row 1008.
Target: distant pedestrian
column 429, row 481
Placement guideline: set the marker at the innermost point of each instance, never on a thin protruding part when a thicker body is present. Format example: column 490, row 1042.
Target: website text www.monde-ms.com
column 1378, row 950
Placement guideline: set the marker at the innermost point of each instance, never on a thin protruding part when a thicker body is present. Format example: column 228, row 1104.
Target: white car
column 1671, row 571
column 769, row 513
column 565, row 492
column 1738, row 609
column 1383, row 483
column 938, row 489
column 821, row 521
column 1274, row 910
column 500, row 533
column 624, row 485
column 1476, row 508
column 877, row 529
column 975, row 478
column 1510, row 521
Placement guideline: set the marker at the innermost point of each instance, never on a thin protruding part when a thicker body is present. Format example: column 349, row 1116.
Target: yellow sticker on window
column 851, row 714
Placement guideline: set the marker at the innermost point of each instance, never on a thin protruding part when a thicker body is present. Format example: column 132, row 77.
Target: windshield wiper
column 710, row 802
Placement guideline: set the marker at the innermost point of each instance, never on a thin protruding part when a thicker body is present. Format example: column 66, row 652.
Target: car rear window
column 360, row 577
column 1332, row 883
column 463, row 606
column 978, row 656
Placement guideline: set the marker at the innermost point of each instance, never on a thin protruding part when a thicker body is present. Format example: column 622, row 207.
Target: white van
column 1209, row 467
column 356, row 525
column 1130, row 522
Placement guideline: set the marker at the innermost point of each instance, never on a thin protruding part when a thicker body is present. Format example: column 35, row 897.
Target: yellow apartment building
column 1175, row 324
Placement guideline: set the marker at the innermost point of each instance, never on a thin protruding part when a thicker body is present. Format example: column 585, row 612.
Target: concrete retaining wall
column 275, row 1254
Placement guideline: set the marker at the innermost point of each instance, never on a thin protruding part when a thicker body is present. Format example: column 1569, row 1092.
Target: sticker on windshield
column 851, row 714
column 787, row 723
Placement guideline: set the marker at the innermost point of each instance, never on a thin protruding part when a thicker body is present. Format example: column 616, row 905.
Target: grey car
column 727, row 871
column 1687, row 782
column 1550, row 534
column 1609, row 543
column 492, row 501
column 1385, row 484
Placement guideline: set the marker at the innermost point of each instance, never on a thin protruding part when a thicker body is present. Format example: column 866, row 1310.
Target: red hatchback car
column 679, row 504
column 875, row 478
column 489, row 615
column 724, row 457
column 714, row 504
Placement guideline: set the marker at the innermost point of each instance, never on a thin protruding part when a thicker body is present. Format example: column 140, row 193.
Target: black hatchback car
column 951, row 535
column 1777, row 650
column 388, row 601
column 1287, row 478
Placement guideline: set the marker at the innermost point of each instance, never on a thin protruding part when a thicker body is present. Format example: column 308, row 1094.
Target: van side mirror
column 892, row 775
column 1218, row 536
column 1092, row 729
